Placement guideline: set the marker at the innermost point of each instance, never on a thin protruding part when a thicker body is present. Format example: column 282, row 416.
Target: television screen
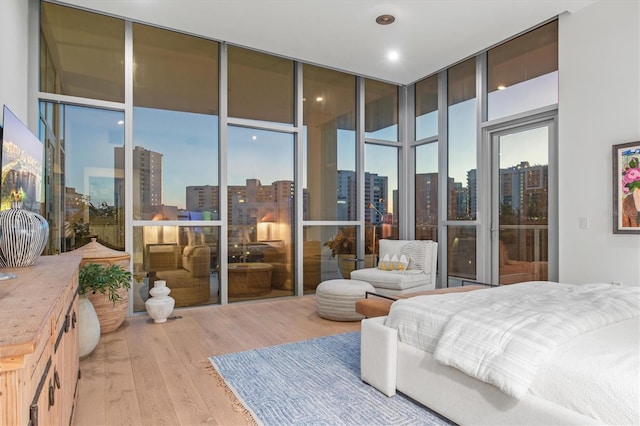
column 22, row 161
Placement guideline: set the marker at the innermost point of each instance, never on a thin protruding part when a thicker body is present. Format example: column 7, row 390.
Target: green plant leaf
column 107, row 280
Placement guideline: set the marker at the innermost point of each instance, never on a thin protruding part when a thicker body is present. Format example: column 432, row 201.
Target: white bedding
column 522, row 324
column 596, row 374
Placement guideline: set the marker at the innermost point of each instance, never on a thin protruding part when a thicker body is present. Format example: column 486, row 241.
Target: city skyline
column 160, row 129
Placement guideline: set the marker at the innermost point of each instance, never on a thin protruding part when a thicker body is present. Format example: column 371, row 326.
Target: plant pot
column 111, row 315
column 88, row 327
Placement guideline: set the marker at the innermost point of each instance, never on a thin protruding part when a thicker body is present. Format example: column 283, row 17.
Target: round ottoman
column 336, row 299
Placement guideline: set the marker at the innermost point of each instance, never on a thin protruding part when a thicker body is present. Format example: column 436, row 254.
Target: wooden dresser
column 39, row 363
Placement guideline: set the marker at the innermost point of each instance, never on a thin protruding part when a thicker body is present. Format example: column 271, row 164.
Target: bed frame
column 389, row 365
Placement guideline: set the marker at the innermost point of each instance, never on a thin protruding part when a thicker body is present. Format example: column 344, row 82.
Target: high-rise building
column 147, row 179
column 346, row 197
column 426, row 199
column 375, row 196
column 204, row 198
column 523, row 192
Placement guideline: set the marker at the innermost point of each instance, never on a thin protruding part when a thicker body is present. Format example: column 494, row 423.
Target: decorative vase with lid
column 23, row 236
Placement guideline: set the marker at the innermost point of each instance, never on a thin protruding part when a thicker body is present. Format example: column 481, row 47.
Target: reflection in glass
column 261, row 202
column 186, row 257
column 85, row 189
column 462, row 141
column 329, row 148
column 329, row 252
column 81, row 53
column 427, row 107
column 174, row 71
column 523, row 72
column 381, row 191
column 175, row 126
column 260, row 86
column 380, row 110
column 461, row 252
column 427, row 192
column 523, row 214
column 175, row 165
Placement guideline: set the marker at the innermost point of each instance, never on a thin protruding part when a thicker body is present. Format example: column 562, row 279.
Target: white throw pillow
column 416, row 252
column 393, row 262
column 385, row 263
column 403, row 263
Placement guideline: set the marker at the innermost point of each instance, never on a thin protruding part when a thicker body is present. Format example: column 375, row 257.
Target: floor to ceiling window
column 330, row 187
column 82, row 55
column 175, row 165
column 426, row 159
column 462, row 170
column 522, row 75
column 217, row 170
column 381, row 196
column 260, row 176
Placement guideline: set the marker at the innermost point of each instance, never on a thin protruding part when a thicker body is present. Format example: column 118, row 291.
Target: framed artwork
column 626, row 188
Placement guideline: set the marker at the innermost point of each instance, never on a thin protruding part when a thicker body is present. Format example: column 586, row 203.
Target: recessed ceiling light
column 393, row 55
column 501, row 87
column 319, row 99
column 254, row 137
column 385, row 19
column 120, row 122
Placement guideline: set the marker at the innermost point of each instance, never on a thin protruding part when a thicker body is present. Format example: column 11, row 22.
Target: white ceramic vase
column 160, row 304
column 23, row 236
column 89, row 327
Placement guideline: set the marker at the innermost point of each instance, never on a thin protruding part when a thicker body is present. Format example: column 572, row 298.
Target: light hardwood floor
column 155, row 374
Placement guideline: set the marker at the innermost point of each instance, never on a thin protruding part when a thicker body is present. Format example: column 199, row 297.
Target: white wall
column 599, row 106
column 14, row 45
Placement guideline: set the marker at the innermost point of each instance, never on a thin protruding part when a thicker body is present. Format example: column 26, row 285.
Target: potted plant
column 343, row 245
column 106, row 286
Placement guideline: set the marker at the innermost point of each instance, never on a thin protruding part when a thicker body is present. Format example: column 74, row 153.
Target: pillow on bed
column 393, row 262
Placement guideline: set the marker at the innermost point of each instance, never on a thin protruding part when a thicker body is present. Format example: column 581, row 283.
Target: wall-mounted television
column 22, row 165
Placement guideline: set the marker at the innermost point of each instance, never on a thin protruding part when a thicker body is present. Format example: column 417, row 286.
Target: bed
column 532, row 353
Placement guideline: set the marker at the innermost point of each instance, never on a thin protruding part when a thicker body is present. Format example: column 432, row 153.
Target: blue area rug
column 314, row 382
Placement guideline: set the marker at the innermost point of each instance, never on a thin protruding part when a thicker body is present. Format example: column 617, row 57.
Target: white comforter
column 503, row 335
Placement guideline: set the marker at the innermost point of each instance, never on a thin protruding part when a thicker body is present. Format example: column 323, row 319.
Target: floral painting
column 626, row 183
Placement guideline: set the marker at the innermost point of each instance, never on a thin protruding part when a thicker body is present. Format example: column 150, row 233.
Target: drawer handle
column 74, row 319
column 52, row 396
column 66, row 323
column 56, row 379
column 33, row 415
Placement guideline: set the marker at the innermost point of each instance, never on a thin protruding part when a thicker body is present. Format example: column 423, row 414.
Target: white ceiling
column 429, row 35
